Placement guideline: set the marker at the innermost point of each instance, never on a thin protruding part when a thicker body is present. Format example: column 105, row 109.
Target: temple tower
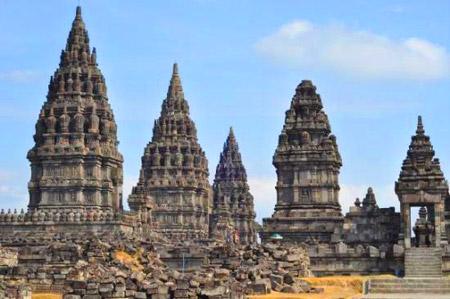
column 75, row 162
column 233, row 215
column 307, row 162
column 174, row 174
column 422, row 184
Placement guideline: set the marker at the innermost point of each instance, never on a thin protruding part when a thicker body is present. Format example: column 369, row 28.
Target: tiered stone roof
column 233, row 207
column 75, row 162
column 307, row 162
column 174, row 175
column 420, row 169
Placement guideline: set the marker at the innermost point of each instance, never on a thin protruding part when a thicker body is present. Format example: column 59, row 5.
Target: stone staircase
column 423, row 262
column 423, row 278
column 407, row 288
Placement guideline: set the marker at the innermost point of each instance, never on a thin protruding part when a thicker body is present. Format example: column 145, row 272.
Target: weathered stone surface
column 307, row 162
column 233, row 215
column 174, row 175
column 76, row 136
column 422, row 183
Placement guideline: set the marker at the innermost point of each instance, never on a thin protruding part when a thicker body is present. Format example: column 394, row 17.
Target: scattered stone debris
column 120, row 266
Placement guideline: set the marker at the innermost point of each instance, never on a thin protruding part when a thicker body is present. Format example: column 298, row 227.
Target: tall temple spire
column 233, row 207
column 76, row 135
column 174, row 171
column 307, row 160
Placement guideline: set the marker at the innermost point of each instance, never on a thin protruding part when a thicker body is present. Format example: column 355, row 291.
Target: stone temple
column 233, row 212
column 307, row 162
column 174, row 174
column 76, row 188
column 76, row 167
column 75, row 163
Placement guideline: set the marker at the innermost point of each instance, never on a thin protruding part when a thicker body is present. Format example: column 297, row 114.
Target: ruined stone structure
column 75, row 163
column 368, row 239
column 422, row 183
column 174, row 174
column 307, row 162
column 233, row 210
column 368, row 224
column 76, row 227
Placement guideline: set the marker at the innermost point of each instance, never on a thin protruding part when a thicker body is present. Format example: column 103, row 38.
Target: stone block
column 260, row 286
column 374, row 252
column 140, row 295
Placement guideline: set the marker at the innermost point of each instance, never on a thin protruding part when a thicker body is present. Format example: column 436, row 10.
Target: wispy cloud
column 355, row 53
column 19, row 76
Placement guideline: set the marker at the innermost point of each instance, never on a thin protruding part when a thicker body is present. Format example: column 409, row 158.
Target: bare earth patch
column 335, row 287
column 46, row 296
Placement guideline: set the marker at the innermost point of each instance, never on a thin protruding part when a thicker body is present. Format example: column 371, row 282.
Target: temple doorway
column 422, row 226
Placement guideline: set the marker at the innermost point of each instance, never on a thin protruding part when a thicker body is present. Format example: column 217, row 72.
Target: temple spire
column 78, row 13
column 233, row 206
column 77, row 46
column 231, row 138
column 420, row 130
column 175, row 89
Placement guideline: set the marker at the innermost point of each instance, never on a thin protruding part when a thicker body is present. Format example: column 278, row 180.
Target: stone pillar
column 406, row 223
column 437, row 224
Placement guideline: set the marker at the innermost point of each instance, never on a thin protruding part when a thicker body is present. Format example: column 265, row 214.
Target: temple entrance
column 422, row 228
column 421, row 222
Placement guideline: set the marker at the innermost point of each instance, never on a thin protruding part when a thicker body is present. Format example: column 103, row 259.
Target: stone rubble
column 118, row 266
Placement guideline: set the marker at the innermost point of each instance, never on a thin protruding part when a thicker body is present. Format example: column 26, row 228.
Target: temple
column 76, row 167
column 174, row 175
column 76, row 227
column 421, row 183
column 233, row 215
column 307, row 161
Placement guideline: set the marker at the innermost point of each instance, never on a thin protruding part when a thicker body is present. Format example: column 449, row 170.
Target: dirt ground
column 335, row 287
column 46, row 296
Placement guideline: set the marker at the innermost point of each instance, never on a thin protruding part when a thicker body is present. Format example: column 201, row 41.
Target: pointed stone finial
column 369, row 200
column 420, row 130
column 78, row 13
column 231, row 135
column 175, row 88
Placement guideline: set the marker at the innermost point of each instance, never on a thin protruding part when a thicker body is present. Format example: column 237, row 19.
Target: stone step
column 405, row 296
column 425, row 262
column 409, row 286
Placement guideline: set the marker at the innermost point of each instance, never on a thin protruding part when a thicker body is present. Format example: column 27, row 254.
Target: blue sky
column 376, row 64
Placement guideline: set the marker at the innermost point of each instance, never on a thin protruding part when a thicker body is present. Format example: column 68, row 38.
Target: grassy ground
column 335, row 287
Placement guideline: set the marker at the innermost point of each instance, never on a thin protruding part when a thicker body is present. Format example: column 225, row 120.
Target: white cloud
column 355, row 53
column 19, row 76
